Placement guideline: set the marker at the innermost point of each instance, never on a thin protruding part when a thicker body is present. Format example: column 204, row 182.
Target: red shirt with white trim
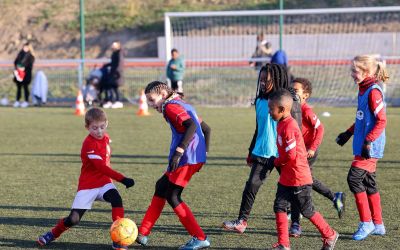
column 96, row 169
column 292, row 159
column 312, row 128
column 176, row 115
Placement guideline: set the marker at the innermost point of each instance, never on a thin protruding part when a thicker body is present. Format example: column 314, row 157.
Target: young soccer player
column 295, row 181
column 313, row 132
column 189, row 146
column 368, row 143
column 263, row 146
column 95, row 181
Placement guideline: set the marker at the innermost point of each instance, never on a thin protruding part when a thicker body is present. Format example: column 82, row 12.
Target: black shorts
column 297, row 196
column 360, row 180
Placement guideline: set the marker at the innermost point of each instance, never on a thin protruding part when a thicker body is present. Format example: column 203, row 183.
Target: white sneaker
column 24, row 105
column 107, row 105
column 117, row 105
column 16, row 104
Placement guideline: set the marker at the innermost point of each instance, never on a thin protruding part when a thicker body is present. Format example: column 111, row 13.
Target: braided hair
column 278, row 75
column 280, row 79
column 156, row 87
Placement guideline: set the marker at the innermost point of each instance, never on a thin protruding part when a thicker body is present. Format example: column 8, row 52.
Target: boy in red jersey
column 187, row 155
column 95, row 181
column 295, row 181
column 313, row 132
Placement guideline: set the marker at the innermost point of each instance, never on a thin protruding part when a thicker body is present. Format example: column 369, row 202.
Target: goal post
column 218, row 46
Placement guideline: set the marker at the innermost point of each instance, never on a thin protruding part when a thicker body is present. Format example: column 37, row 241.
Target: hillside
column 53, row 26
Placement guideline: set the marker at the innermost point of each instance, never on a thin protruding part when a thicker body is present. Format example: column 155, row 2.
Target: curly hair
column 305, row 83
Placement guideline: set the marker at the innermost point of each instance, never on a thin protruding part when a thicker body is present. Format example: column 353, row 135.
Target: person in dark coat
column 116, row 78
column 23, row 66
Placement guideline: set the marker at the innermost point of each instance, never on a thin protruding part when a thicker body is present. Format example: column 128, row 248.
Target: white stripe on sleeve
column 379, row 108
column 95, row 157
column 317, row 123
column 291, row 146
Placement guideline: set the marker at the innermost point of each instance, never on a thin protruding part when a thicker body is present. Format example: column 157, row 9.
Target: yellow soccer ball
column 123, row 231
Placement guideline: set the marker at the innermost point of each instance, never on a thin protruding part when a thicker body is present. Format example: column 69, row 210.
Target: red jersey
column 312, row 128
column 96, row 170
column 292, row 159
column 176, row 115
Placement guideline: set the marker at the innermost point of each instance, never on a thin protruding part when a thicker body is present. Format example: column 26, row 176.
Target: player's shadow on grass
column 18, row 243
column 46, row 222
column 134, row 213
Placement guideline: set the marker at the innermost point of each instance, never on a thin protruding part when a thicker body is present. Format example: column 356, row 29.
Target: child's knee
column 72, row 220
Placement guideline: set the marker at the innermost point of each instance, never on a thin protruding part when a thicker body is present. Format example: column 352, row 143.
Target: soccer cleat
column 116, row 246
column 364, row 229
column 24, row 105
column 195, row 243
column 295, row 230
column 238, row 225
column 107, row 105
column 278, row 246
column 339, row 203
column 142, row 239
column 379, row 229
column 45, row 239
column 117, row 105
column 329, row 243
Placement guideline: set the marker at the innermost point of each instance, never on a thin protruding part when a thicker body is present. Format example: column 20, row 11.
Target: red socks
column 363, row 206
column 152, row 214
column 59, row 228
column 282, row 228
column 187, row 219
column 117, row 212
column 374, row 201
column 322, row 226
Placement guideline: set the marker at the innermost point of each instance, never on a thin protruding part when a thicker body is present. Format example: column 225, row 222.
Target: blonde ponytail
column 373, row 64
column 381, row 72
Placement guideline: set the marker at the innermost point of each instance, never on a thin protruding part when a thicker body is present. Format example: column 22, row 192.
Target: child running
column 95, row 181
column 262, row 147
column 368, row 143
column 295, row 181
column 313, row 132
column 188, row 150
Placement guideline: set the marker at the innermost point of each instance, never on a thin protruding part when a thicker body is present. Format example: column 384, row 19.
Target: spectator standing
column 175, row 72
column 116, row 77
column 23, row 65
column 263, row 51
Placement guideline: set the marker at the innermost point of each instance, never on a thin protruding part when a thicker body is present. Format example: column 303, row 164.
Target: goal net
column 218, row 48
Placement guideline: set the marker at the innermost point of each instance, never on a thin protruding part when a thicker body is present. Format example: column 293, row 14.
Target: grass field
column 40, row 165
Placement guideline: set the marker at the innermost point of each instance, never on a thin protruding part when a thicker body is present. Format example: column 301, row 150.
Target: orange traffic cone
column 143, row 107
column 79, row 105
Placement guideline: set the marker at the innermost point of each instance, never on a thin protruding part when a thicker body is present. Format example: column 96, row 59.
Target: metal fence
column 209, row 86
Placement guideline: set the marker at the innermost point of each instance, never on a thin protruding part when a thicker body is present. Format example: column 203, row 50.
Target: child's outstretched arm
column 106, row 170
column 207, row 134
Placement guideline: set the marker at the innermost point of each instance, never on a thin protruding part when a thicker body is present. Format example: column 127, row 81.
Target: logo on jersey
column 280, row 140
column 360, row 115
